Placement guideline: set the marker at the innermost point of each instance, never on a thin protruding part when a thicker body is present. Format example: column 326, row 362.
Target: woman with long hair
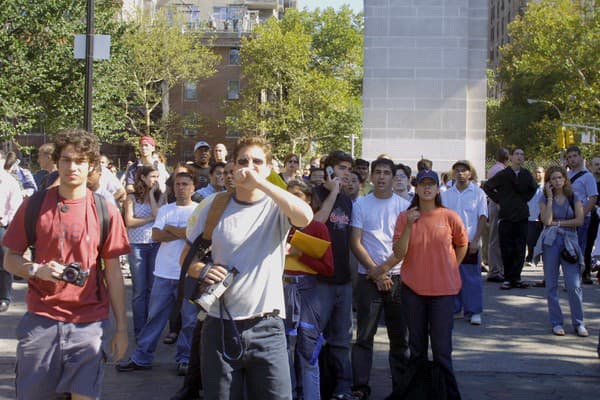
column 141, row 207
column 431, row 241
column 309, row 256
column 561, row 212
column 291, row 164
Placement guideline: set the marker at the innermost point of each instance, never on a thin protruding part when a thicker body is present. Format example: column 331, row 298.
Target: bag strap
column 202, row 242
column 104, row 220
column 34, row 205
column 577, row 176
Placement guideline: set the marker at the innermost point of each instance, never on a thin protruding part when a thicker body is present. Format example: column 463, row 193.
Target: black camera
column 205, row 295
column 74, row 274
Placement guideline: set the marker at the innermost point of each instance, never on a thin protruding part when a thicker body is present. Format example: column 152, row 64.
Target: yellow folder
column 309, row 245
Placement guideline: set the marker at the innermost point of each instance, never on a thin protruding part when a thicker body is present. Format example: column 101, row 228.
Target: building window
column 190, row 131
column 232, row 133
column 233, row 90
column 234, row 56
column 190, row 91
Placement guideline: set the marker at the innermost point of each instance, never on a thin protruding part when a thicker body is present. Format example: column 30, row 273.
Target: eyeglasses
column 244, row 162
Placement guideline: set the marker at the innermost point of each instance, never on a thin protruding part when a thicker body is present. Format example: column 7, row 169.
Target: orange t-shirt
column 429, row 267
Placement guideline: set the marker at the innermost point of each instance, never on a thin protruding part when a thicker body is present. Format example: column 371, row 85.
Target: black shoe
column 186, row 393
column 587, row 279
column 4, row 304
column 182, row 369
column 496, row 278
column 130, row 365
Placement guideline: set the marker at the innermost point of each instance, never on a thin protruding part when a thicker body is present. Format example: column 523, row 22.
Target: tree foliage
column 303, row 78
column 554, row 55
column 41, row 84
column 159, row 56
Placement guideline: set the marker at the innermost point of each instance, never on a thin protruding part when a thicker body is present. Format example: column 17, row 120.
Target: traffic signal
column 569, row 137
column 561, row 138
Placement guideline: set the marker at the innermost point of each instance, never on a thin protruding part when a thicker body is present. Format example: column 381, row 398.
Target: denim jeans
column 470, row 298
column 5, row 277
column 304, row 333
column 513, row 241
column 369, row 304
column 431, row 318
column 141, row 264
column 162, row 300
column 582, row 233
column 262, row 373
column 572, row 277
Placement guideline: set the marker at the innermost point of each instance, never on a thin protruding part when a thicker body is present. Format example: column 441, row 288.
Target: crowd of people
column 267, row 313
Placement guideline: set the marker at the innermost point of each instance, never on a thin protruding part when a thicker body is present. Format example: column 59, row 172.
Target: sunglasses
column 244, row 162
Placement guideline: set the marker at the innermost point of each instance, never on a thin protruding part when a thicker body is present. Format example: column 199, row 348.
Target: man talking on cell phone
column 243, row 337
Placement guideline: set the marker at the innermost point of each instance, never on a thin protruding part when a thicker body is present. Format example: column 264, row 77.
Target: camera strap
column 201, row 245
column 236, row 332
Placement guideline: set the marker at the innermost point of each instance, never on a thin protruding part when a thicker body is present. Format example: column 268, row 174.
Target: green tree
column 554, row 55
column 41, row 84
column 302, row 79
column 160, row 56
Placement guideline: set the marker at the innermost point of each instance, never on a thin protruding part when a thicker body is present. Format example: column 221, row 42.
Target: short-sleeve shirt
column 584, row 186
column 429, row 267
column 470, row 205
column 141, row 234
column 562, row 212
column 69, row 231
column 167, row 258
column 377, row 218
column 252, row 238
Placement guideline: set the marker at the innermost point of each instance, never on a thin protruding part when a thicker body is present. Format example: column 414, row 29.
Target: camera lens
column 69, row 275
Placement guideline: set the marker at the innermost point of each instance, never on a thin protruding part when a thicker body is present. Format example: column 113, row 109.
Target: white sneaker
column 458, row 315
column 558, row 330
column 581, row 331
column 476, row 319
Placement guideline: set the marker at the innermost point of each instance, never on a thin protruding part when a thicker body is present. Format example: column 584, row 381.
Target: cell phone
column 329, row 171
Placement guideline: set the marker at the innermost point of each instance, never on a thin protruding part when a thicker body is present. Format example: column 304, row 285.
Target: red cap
column 147, row 139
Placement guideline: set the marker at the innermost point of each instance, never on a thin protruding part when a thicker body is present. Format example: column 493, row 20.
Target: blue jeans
column 262, row 373
column 304, row 336
column 582, row 232
column 5, row 277
column 141, row 264
column 369, row 304
column 162, row 300
column 335, row 306
column 572, row 276
column 431, row 318
column 470, row 298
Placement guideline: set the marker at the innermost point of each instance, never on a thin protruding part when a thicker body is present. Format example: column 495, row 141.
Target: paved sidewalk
column 513, row 355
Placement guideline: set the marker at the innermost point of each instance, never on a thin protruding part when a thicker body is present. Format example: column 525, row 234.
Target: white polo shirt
column 470, row 204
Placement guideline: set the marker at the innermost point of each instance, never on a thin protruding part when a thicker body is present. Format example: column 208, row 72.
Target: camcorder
column 205, row 294
column 74, row 274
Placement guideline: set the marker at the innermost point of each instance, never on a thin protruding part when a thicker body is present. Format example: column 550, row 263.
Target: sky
column 356, row 5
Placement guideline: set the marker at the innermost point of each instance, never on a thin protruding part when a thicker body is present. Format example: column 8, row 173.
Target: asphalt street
column 512, row 355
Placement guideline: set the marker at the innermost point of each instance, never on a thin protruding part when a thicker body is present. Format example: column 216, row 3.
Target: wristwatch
column 33, row 269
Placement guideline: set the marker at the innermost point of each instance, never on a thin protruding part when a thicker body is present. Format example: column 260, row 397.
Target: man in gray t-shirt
column 247, row 319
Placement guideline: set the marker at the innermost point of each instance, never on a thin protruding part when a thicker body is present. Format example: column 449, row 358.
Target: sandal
column 170, row 338
column 506, row 285
column 521, row 284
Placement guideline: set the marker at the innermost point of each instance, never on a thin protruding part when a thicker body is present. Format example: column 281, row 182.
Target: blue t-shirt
column 561, row 212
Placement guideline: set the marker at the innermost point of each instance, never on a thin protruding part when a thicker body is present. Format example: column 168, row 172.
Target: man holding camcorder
column 60, row 348
column 243, row 338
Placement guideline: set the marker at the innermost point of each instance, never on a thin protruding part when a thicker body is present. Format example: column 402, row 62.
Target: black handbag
column 568, row 257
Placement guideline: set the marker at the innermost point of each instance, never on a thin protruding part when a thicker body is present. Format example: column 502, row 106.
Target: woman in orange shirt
column 432, row 241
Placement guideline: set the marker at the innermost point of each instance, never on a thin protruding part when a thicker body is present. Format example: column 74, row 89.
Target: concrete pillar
column 425, row 81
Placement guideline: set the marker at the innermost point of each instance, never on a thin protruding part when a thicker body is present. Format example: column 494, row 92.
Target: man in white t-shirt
column 243, row 336
column 373, row 221
column 168, row 229
column 469, row 201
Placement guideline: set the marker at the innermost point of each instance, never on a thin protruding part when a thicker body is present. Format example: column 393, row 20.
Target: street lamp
column 533, row 101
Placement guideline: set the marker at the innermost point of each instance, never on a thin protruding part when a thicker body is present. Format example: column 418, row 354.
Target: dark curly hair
column 83, row 142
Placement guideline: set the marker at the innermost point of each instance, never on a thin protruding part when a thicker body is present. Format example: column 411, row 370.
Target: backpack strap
column 578, row 175
column 104, row 220
column 32, row 213
column 202, row 243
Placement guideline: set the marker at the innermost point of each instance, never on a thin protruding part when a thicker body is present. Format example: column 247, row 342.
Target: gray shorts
column 56, row 357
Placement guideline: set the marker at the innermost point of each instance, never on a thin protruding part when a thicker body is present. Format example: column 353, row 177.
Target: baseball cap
column 201, row 143
column 147, row 139
column 425, row 174
column 464, row 163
